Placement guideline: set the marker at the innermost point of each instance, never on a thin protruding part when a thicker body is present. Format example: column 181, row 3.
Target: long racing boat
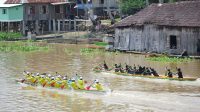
column 87, row 89
column 98, row 70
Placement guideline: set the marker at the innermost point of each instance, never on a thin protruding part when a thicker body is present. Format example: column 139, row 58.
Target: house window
column 57, row 9
column 4, row 11
column 32, row 10
column 101, row 1
column 84, row 1
column 44, row 9
column 173, row 42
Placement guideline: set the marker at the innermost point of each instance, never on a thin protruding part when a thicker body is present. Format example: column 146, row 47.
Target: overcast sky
column 2, row 1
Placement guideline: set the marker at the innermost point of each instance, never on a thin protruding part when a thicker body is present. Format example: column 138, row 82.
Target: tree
column 132, row 6
column 129, row 6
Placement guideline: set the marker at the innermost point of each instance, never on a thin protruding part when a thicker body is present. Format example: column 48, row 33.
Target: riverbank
column 159, row 55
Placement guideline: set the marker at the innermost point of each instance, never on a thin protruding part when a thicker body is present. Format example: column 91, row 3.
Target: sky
column 2, row 1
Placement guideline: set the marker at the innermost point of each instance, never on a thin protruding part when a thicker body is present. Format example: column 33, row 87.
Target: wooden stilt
column 74, row 24
column 1, row 26
column 58, row 26
column 49, row 25
column 37, row 26
column 54, row 25
column 8, row 26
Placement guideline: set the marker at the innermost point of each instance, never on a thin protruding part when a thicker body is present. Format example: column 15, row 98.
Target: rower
column 52, row 82
column 153, row 71
column 116, row 68
column 64, row 83
column 81, row 83
column 179, row 73
column 98, row 86
column 73, row 84
column 105, row 66
column 169, row 73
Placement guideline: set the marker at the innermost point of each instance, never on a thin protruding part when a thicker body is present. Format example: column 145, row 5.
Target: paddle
column 88, row 87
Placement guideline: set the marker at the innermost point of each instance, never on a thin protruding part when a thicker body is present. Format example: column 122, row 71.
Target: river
column 129, row 94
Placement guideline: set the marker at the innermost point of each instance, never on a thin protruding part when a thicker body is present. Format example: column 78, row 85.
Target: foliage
column 132, row 6
column 21, row 46
column 68, row 51
column 168, row 59
column 95, row 52
column 103, row 44
column 128, row 6
column 9, row 35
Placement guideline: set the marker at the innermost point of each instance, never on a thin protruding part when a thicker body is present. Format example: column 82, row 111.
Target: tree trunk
column 160, row 1
column 109, row 12
column 147, row 2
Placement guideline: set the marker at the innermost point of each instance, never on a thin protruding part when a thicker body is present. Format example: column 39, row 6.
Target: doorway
column 198, row 46
column 173, row 42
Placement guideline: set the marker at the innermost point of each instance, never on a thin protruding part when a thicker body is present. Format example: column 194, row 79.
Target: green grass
column 103, row 44
column 9, row 35
column 91, row 52
column 169, row 59
column 21, row 46
column 95, row 52
column 68, row 51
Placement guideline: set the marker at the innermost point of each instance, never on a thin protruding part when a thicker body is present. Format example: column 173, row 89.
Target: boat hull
column 28, row 84
column 153, row 77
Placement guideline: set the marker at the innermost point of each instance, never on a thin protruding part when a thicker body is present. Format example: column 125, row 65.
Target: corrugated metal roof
column 33, row 1
column 60, row 3
column 168, row 14
column 9, row 5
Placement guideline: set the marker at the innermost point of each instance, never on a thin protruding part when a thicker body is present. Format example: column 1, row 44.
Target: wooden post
column 54, row 25
column 70, row 24
column 1, row 26
column 37, row 26
column 58, row 26
column 49, row 25
column 74, row 24
column 23, row 28
column 63, row 25
column 8, row 26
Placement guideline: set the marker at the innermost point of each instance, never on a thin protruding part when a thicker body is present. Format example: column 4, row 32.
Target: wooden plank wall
column 156, row 39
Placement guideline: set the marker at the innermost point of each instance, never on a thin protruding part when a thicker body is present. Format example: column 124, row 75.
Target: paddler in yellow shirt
column 64, row 84
column 74, row 85
column 32, row 79
column 37, row 77
column 81, row 83
column 42, row 80
column 98, row 86
column 58, row 81
column 52, row 82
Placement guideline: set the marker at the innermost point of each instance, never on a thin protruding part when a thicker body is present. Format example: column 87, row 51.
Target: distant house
column 44, row 16
column 11, row 16
column 161, row 28
column 98, row 7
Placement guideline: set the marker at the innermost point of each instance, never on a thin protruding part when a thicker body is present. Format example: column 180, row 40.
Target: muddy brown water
column 129, row 94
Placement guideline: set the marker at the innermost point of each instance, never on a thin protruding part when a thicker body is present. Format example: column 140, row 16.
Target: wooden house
column 98, row 7
column 41, row 16
column 11, row 16
column 160, row 28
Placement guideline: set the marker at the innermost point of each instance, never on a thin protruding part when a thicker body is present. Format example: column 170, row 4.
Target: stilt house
column 44, row 16
column 168, row 27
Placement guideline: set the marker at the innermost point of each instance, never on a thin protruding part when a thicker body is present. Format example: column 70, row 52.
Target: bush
column 9, row 35
column 103, row 44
